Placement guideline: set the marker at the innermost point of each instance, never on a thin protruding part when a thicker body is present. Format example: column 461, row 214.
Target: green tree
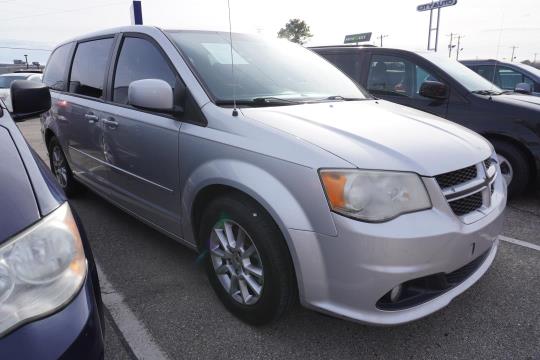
column 295, row 30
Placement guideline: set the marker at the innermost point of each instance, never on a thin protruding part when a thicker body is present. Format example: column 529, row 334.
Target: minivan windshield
column 529, row 68
column 6, row 80
column 462, row 74
column 266, row 71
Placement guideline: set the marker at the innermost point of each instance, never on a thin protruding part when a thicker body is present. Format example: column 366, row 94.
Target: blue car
column 510, row 76
column 50, row 303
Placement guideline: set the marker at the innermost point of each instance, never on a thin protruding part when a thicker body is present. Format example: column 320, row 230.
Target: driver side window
column 395, row 76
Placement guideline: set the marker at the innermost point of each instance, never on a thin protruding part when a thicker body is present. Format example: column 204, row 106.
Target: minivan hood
column 376, row 134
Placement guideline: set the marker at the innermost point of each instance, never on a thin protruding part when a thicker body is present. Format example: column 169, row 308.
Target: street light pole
column 26, row 59
column 534, row 62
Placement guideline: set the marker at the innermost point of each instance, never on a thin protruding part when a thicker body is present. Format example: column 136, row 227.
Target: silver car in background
column 7, row 79
column 288, row 177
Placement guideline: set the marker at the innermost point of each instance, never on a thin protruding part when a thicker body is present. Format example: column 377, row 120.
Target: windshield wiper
column 486, row 92
column 275, row 100
column 260, row 101
column 338, row 98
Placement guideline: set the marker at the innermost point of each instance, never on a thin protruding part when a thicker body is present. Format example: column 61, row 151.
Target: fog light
column 395, row 293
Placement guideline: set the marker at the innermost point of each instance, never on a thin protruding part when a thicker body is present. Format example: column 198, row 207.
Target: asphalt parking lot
column 161, row 306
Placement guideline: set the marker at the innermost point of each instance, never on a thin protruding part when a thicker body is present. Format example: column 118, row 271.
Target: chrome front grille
column 469, row 189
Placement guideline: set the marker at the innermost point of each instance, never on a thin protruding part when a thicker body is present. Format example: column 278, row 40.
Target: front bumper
column 71, row 333
column 347, row 275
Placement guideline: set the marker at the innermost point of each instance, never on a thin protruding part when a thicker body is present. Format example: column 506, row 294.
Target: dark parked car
column 444, row 87
column 50, row 303
column 508, row 75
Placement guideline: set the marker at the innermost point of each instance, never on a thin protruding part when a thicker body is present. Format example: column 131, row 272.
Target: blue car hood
column 18, row 206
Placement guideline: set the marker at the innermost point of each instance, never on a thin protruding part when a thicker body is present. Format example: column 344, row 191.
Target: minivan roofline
column 143, row 29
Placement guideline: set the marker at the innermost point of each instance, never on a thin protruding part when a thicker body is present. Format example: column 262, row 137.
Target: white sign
column 436, row 5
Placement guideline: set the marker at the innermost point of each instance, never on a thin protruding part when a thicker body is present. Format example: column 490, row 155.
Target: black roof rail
column 342, row 46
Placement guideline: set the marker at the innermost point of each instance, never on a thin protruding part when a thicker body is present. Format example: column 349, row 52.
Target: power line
column 23, row 48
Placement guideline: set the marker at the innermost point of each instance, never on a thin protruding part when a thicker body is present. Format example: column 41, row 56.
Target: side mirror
column 434, row 90
column 29, row 98
column 523, row 88
column 151, row 94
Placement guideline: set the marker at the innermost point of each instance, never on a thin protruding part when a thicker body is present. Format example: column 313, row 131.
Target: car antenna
column 235, row 111
column 498, row 49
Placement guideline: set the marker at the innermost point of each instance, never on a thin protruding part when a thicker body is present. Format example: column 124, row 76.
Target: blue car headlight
column 41, row 269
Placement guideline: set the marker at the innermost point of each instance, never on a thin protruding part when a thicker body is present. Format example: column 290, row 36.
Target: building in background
column 20, row 65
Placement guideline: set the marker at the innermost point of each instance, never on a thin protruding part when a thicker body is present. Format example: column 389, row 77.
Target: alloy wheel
column 59, row 166
column 237, row 262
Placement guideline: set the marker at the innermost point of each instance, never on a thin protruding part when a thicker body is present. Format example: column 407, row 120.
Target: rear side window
column 348, row 63
column 89, row 67
column 486, row 71
column 393, row 75
column 139, row 59
column 390, row 75
column 55, row 73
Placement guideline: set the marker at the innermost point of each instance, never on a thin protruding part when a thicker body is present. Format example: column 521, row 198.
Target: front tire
column 61, row 170
column 247, row 260
column 514, row 167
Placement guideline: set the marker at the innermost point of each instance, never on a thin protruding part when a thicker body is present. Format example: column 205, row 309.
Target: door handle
column 92, row 118
column 110, row 122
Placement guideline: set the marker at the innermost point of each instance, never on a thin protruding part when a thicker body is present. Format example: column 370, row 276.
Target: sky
column 490, row 28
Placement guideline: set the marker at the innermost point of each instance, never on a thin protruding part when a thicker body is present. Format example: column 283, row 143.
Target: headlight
column 41, row 269
column 374, row 196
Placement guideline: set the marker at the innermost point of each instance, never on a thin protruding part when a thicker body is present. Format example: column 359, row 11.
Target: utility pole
column 26, row 59
column 534, row 62
column 382, row 37
column 458, row 49
column 513, row 51
column 450, row 46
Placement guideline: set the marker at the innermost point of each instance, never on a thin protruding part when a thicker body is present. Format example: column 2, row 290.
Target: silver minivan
column 290, row 180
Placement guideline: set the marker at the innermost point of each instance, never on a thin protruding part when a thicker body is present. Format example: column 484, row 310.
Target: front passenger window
column 139, row 59
column 508, row 77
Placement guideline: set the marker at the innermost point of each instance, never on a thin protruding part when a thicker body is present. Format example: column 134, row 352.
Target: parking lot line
column 134, row 332
column 519, row 242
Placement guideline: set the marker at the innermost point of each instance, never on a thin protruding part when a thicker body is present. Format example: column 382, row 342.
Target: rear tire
column 238, row 264
column 514, row 167
column 61, row 170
